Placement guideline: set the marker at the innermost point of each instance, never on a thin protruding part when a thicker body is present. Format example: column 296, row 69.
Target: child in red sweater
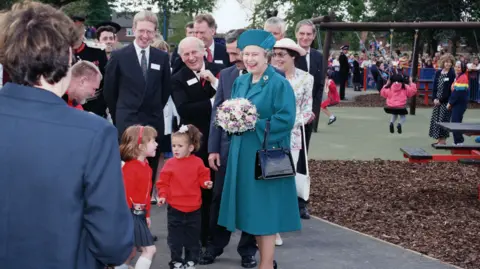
column 138, row 143
column 179, row 185
column 333, row 97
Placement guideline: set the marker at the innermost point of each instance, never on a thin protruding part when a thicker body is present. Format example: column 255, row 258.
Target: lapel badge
column 265, row 78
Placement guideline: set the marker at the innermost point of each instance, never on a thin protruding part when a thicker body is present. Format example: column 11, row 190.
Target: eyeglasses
column 148, row 32
column 280, row 55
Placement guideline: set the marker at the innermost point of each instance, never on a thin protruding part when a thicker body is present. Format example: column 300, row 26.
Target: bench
column 460, row 147
column 416, row 154
column 469, row 161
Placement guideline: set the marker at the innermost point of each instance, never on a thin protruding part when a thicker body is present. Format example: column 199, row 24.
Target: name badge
column 155, row 66
column 218, row 61
column 446, row 79
column 192, row 81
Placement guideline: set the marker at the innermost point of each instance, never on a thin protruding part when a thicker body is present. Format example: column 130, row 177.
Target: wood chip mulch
column 375, row 100
column 430, row 208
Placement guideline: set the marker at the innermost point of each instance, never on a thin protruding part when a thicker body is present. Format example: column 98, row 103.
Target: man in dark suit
column 305, row 33
column 137, row 82
column 194, row 87
column 176, row 61
column 344, row 70
column 218, row 146
column 66, row 161
column 205, row 27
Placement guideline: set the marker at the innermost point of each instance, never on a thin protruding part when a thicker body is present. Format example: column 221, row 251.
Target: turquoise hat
column 260, row 38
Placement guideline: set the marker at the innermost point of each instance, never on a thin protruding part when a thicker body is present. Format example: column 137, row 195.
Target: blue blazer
column 446, row 91
column 62, row 200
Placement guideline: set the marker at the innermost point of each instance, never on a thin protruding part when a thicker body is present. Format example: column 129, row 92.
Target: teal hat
column 260, row 38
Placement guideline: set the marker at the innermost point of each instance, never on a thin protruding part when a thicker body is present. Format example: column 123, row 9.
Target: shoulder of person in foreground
column 104, row 194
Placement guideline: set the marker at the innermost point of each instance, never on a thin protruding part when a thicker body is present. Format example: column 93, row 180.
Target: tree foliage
column 429, row 10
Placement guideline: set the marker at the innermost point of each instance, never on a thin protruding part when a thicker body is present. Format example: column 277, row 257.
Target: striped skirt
column 142, row 235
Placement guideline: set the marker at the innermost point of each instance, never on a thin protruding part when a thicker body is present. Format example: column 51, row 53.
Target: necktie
column 143, row 64
column 209, row 55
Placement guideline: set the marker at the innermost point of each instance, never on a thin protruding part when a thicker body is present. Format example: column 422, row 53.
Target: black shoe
column 330, row 121
column 304, row 213
column 249, row 262
column 207, row 257
column 392, row 130
column 399, row 128
column 274, row 264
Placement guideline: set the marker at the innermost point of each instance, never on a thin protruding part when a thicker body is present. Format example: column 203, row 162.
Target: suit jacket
column 316, row 67
column 130, row 97
column 344, row 66
column 220, row 56
column 67, row 162
column 446, row 90
column 193, row 102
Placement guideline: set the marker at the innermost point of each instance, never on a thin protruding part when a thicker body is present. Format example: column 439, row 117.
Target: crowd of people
column 90, row 131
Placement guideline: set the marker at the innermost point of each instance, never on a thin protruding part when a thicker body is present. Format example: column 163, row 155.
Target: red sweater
column 180, row 182
column 137, row 177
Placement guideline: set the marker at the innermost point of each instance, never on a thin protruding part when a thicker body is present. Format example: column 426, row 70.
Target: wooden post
column 326, row 53
column 416, row 48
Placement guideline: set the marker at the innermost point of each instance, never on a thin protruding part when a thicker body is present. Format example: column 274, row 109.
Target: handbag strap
column 305, row 145
column 267, row 132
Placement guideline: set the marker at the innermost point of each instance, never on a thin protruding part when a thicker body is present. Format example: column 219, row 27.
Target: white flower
column 183, row 129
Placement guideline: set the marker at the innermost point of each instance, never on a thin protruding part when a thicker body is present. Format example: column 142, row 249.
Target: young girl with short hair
column 179, row 185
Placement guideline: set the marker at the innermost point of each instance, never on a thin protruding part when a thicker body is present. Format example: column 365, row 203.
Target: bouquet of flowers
column 236, row 116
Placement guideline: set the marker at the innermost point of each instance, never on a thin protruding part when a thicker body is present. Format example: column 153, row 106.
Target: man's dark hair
column 233, row 35
column 189, row 25
column 104, row 29
column 35, row 42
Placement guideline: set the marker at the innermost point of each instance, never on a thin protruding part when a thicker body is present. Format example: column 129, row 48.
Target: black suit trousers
column 220, row 235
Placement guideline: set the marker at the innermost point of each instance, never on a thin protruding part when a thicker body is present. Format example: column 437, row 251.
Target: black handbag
column 273, row 163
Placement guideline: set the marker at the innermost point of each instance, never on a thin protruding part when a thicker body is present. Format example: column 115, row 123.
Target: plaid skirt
column 142, row 235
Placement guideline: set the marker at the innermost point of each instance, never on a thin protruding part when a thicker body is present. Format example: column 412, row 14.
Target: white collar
column 201, row 69
column 212, row 47
column 138, row 49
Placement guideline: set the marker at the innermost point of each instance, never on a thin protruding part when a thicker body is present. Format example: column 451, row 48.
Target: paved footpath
column 320, row 245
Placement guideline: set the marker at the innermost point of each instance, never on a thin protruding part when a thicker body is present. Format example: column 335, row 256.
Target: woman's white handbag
column 303, row 181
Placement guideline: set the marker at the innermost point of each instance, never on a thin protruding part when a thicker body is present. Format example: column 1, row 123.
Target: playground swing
column 392, row 110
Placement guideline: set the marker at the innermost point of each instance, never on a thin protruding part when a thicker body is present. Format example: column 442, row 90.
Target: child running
column 179, row 185
column 397, row 93
column 138, row 143
column 333, row 97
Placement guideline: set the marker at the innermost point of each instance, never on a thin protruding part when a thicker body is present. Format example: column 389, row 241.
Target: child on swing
column 138, row 143
column 179, row 185
column 397, row 93
column 333, row 97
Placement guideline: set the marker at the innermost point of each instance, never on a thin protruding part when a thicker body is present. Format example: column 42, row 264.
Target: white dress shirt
column 214, row 85
column 1, row 75
column 307, row 56
column 169, row 112
column 139, row 52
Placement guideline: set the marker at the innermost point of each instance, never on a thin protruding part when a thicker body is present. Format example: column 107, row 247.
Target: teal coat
column 261, row 207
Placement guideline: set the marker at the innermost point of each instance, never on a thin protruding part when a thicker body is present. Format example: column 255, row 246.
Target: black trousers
column 457, row 116
column 184, row 232
column 153, row 162
column 220, row 235
column 343, row 81
column 302, row 164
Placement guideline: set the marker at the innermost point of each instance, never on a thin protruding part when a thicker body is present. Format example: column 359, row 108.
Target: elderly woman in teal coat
column 260, row 207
